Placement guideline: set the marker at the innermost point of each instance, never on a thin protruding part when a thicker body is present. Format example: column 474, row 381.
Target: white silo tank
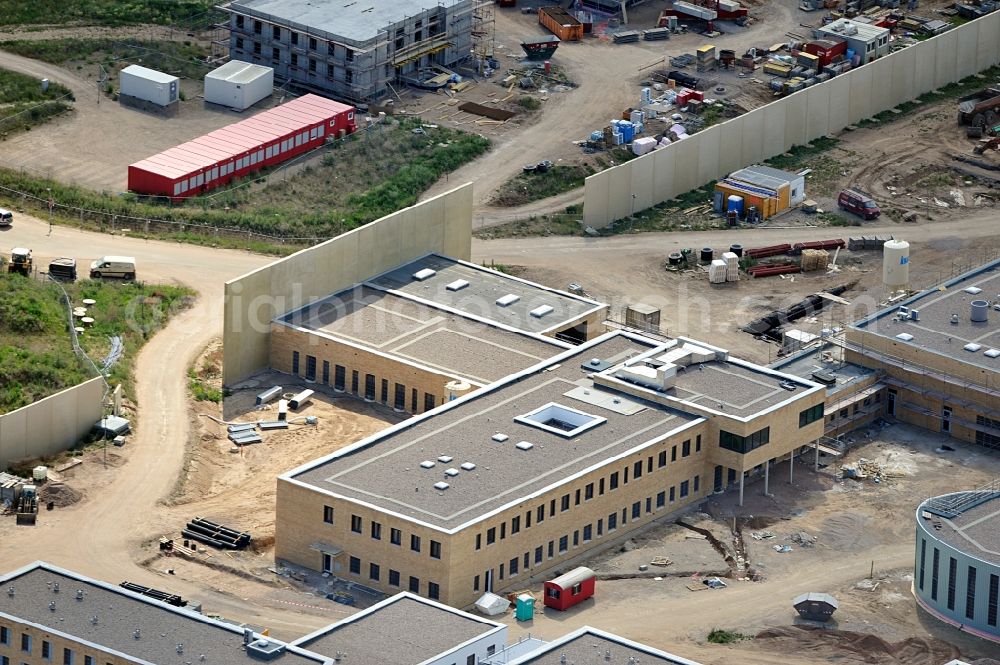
column 457, row 388
column 896, row 265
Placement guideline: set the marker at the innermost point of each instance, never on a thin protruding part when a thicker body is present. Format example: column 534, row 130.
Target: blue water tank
column 849, row 56
column 735, row 203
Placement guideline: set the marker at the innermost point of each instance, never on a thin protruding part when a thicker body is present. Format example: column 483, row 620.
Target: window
column 614, row 480
column 527, row 519
column 934, row 573
column 310, row 368
column 373, row 571
column 327, row 563
column 46, row 650
column 538, row 554
column 475, row 583
column 503, row 531
column 684, row 489
column 637, row 469
column 673, row 453
column 600, row 487
column 355, row 381
column 625, row 476
column 952, row 572
column 393, row 577
column 356, row 523
column 661, row 460
column 414, row 542
column 551, row 548
column 636, row 509
column 355, row 565
column 491, row 535
column 970, row 593
column 329, row 70
column 395, row 536
column 88, row 660
column 256, row 27
column 923, row 559
column 563, row 544
column 527, row 560
column 385, row 391
column 810, row 415
column 661, row 499
column 612, row 521
column 671, row 495
column 600, row 527
column 697, row 444
column 369, row 386
column 470, row 659
column 991, row 607
column 326, row 372
column 564, row 503
column 399, row 398
column 312, row 43
column 576, row 500
column 513, row 566
column 239, row 44
column 946, row 419
column 295, row 362
column 435, row 549
column 339, row 377
column 413, row 399
column 515, row 525
column 540, row 514
column 5, row 635
column 275, row 32
column 429, row 401
column 276, row 57
column 588, row 531
column 328, row 514
column 552, row 507
column 697, row 482
column 25, row 643
column 67, row 657
column 433, row 590
column 501, row 570
column 312, row 65
column 239, row 21
column 649, row 504
column 744, row 444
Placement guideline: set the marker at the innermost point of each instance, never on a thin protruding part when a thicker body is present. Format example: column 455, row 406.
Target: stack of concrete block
column 732, row 266
column 717, row 272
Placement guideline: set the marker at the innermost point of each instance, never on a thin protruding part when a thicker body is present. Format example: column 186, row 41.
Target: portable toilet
column 524, row 610
column 734, row 202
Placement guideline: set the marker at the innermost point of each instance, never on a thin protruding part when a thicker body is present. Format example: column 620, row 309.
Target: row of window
column 810, row 415
column 970, row 585
column 587, row 533
column 249, row 161
column 27, row 647
column 373, row 391
column 419, row 32
column 586, row 493
column 376, row 532
column 848, row 411
column 744, row 444
column 293, row 59
column 394, row 577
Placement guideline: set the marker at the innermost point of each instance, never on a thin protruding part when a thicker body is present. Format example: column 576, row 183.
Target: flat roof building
column 354, row 52
column 866, row 40
column 586, row 645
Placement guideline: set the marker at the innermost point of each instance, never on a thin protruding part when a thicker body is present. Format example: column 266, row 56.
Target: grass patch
column 953, row 90
column 528, row 187
column 104, row 12
column 36, row 354
column 720, row 636
column 23, row 104
column 535, row 225
column 798, row 155
column 180, row 58
column 529, row 103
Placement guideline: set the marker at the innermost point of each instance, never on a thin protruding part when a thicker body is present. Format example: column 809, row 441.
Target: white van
column 113, row 266
column 6, row 217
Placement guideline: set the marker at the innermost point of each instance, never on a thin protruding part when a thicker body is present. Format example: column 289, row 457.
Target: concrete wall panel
column 818, row 110
column 731, row 146
column 50, row 425
column 642, row 187
column 881, row 71
column 442, row 224
column 903, row 75
column 946, row 51
column 861, row 94
column 988, row 41
column 709, row 144
column 965, row 62
column 794, row 112
column 752, row 130
column 840, row 102
column 924, row 69
column 597, row 194
column 686, row 164
column 621, row 191
column 663, row 172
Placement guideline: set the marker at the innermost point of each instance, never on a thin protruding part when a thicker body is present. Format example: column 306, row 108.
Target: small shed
column 238, row 85
column 491, row 604
column 815, row 606
column 567, row 590
column 148, row 85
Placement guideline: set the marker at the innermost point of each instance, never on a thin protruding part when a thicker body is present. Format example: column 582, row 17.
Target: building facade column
column 767, row 470
column 742, row 476
column 791, row 467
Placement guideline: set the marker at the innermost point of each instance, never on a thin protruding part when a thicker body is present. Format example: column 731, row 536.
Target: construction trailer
column 148, row 90
column 269, row 138
column 865, row 41
column 770, row 191
column 567, row 590
column 238, row 85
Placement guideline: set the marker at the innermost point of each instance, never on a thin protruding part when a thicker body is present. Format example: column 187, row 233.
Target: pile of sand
column 60, row 494
column 848, row 647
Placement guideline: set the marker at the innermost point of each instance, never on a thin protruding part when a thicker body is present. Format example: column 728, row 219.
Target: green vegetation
column 186, row 59
column 528, row 187
column 36, row 353
column 23, row 104
column 966, row 86
column 719, row 636
column 102, row 12
column 365, row 177
column 529, row 103
column 201, row 391
column 798, row 156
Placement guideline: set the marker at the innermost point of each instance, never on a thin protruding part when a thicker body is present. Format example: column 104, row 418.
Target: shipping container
column 561, row 23
column 266, row 139
column 567, row 590
column 238, row 85
column 148, row 85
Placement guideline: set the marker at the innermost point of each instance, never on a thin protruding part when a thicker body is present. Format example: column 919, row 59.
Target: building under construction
column 355, row 51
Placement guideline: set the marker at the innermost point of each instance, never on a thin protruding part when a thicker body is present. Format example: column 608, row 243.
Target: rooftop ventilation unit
column 992, row 353
column 906, row 337
column 541, row 311
column 499, row 437
column 468, row 466
column 444, row 459
column 427, row 464
column 264, row 649
column 426, row 273
column 457, row 285
column 442, row 486
column 451, row 472
column 525, row 445
column 507, row 300
column 972, row 347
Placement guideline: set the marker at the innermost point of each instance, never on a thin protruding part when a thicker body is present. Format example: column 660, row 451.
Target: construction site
column 737, row 404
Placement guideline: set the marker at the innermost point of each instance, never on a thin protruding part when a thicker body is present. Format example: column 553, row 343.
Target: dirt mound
column 850, row 647
column 59, row 494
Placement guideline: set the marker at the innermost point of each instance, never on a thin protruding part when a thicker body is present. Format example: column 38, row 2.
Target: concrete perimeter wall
column 51, row 425
column 442, row 224
column 794, row 120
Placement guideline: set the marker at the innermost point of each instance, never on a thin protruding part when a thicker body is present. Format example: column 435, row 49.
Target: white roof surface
column 238, row 71
column 149, row 74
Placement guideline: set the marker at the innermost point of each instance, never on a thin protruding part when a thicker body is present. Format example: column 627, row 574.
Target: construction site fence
column 797, row 119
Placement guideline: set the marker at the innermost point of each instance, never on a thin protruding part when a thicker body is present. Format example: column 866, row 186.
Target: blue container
column 735, row 203
column 849, row 56
column 628, row 131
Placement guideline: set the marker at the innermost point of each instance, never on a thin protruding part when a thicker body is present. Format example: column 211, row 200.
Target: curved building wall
column 954, row 585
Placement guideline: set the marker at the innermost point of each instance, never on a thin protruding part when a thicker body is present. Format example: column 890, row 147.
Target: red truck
column 980, row 109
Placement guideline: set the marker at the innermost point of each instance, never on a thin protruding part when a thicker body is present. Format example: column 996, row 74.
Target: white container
column 40, row 473
column 148, row 84
column 238, row 85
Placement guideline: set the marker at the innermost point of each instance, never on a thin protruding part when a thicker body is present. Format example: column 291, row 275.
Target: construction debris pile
column 866, row 468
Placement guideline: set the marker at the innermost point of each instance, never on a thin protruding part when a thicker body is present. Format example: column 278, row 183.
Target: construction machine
column 987, row 144
column 21, row 261
column 27, row 506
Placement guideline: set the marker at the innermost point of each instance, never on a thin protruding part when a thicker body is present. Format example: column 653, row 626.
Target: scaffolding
column 483, row 33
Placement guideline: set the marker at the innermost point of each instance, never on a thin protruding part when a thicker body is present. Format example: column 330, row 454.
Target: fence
column 794, row 120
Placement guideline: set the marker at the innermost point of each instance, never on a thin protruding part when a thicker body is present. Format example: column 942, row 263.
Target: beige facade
column 441, row 224
column 51, row 425
column 811, row 113
column 45, row 647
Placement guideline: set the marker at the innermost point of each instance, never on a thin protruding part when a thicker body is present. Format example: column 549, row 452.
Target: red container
column 683, row 96
column 827, row 50
column 567, row 590
column 698, row 95
column 267, row 138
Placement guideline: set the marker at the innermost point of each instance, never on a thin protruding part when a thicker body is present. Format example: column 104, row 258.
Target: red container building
column 827, row 50
column 268, row 138
column 567, row 590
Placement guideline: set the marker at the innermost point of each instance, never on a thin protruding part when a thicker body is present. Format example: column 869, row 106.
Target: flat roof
column 120, row 614
column 149, row 74
column 238, row 71
column 933, row 330
column 826, row 358
column 388, row 469
column 403, row 630
column 974, row 530
column 356, row 21
column 417, row 333
column 590, row 645
column 484, row 288
column 866, row 31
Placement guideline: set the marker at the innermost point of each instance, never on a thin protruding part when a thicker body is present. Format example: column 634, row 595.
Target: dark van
column 857, row 202
column 63, row 269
